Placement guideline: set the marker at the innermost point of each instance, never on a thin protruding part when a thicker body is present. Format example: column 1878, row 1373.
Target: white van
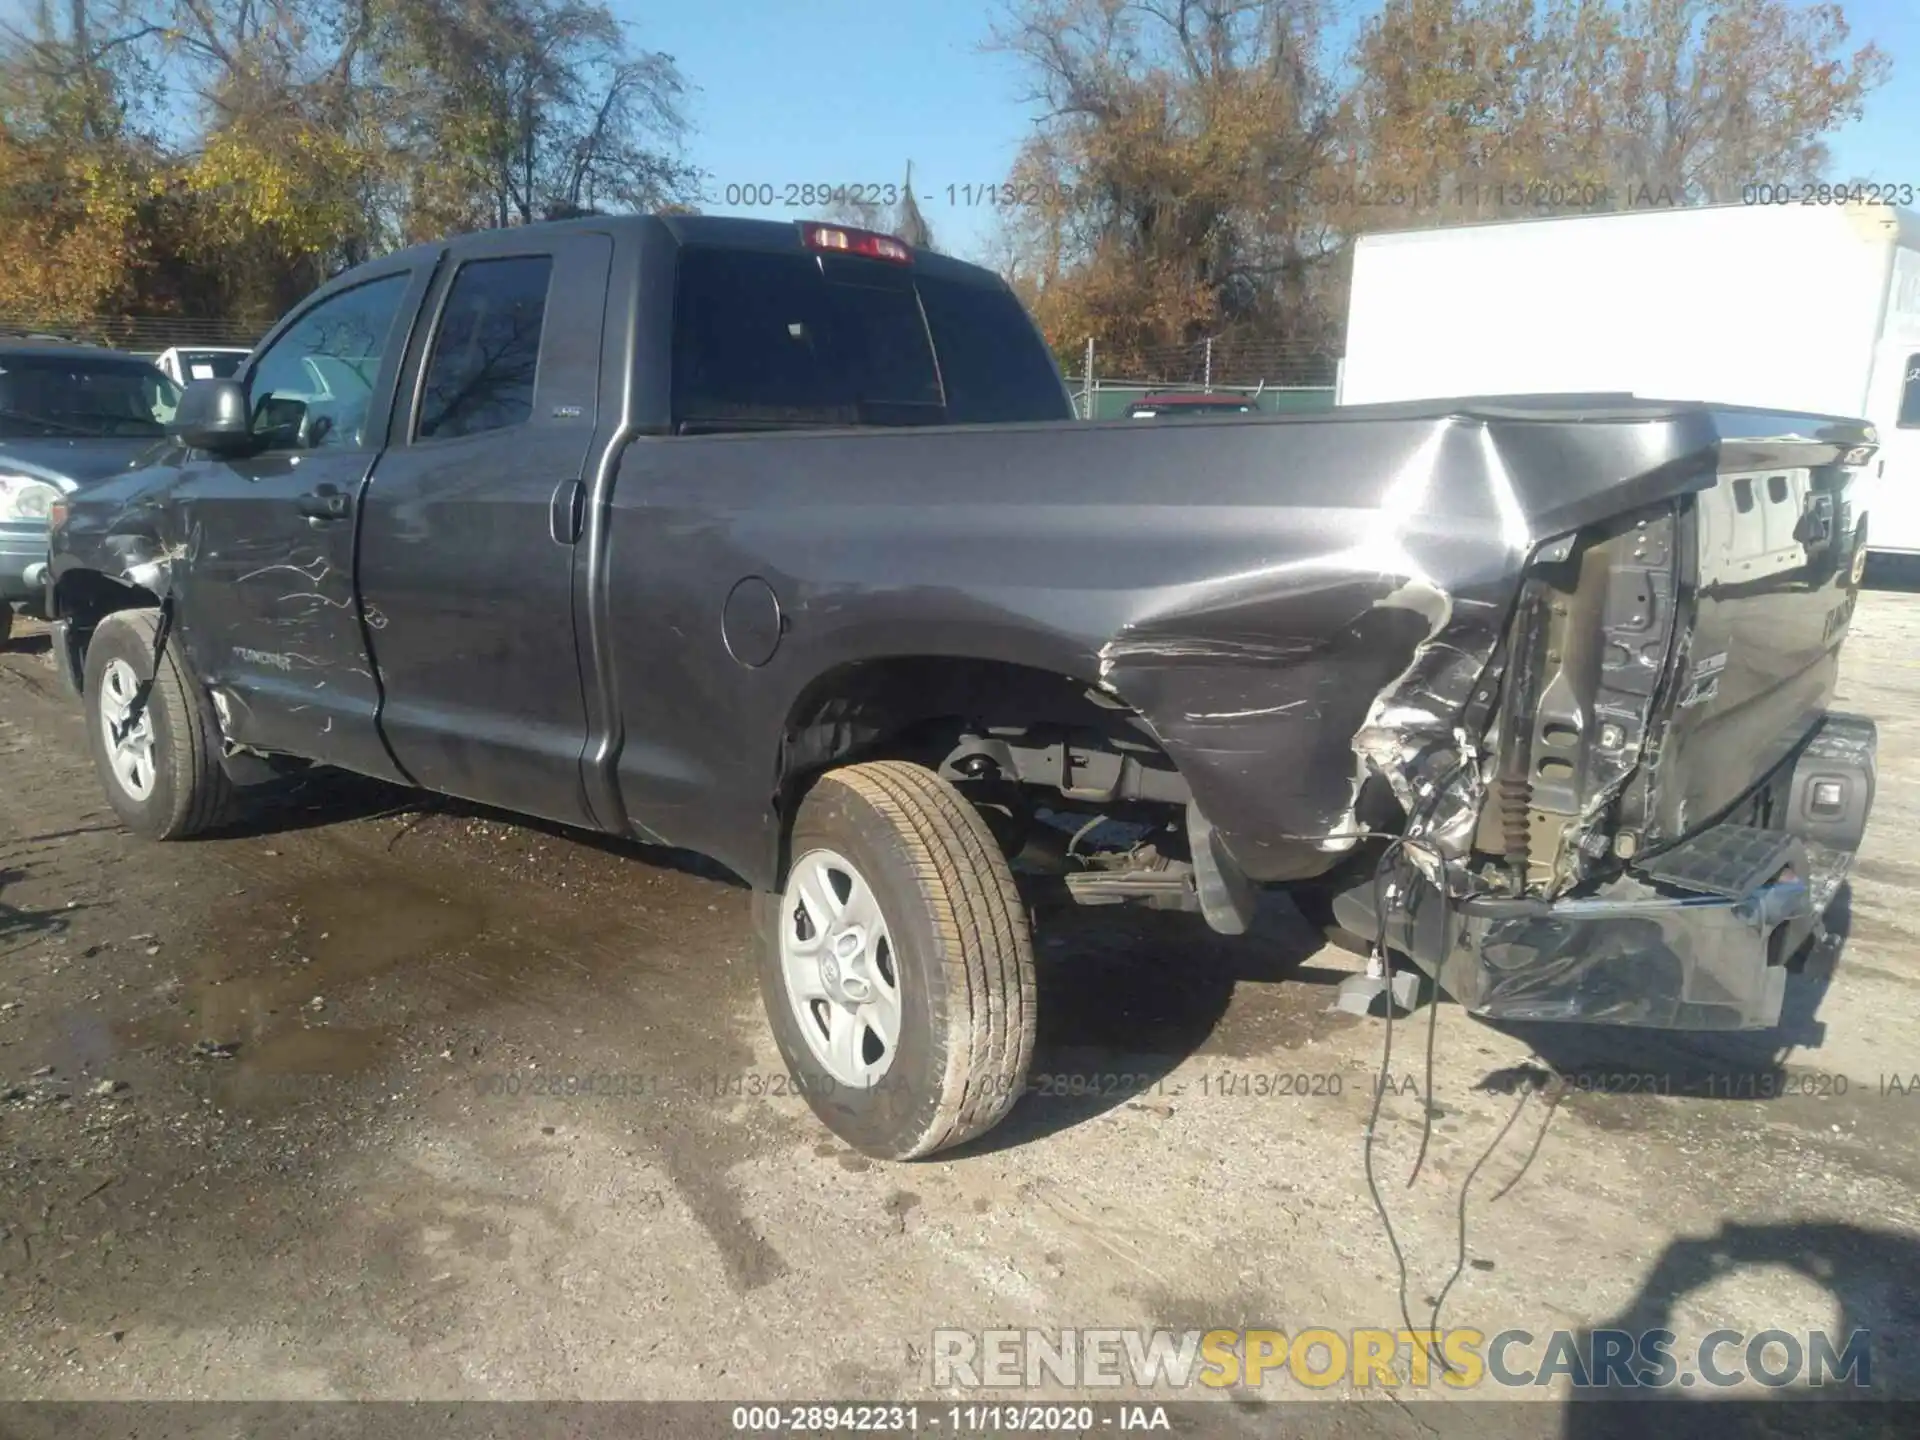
column 1797, row 306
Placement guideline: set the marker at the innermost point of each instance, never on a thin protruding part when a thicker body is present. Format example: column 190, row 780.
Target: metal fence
column 1112, row 399
column 143, row 334
column 1277, row 375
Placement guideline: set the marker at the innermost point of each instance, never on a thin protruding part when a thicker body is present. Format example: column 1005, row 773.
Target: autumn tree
column 73, row 176
column 323, row 132
column 1501, row 106
column 1170, row 169
column 1203, row 165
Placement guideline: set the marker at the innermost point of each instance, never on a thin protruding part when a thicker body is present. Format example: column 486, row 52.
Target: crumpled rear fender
column 1279, row 692
column 1276, row 737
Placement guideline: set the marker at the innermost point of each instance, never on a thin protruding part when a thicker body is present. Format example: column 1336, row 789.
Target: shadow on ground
column 1892, row 572
column 1126, row 995
column 27, row 644
column 1873, row 1276
column 17, row 923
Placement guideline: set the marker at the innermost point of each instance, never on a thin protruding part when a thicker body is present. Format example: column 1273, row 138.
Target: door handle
column 566, row 511
column 325, row 502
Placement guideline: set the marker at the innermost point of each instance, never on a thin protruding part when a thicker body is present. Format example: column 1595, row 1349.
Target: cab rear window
column 211, row 364
column 769, row 340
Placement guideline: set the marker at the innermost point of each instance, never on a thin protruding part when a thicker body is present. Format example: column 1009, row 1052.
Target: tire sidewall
column 892, row 1119
column 153, row 814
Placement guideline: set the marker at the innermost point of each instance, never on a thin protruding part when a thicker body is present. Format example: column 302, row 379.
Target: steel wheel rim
column 130, row 757
column 840, row 968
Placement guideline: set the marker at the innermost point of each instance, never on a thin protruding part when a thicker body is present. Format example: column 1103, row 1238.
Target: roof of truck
column 738, row 231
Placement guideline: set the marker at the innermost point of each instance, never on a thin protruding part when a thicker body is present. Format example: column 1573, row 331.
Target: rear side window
column 1910, row 396
column 487, row 351
column 767, row 340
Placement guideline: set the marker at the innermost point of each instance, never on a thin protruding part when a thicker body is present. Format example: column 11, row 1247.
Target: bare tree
column 520, row 107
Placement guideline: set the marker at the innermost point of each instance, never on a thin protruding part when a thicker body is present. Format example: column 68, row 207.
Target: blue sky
column 843, row 92
column 846, row 91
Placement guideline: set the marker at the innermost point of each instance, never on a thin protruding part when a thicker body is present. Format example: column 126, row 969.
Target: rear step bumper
column 1696, row 938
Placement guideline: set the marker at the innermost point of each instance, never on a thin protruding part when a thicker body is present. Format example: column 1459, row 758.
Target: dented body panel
column 1460, row 623
column 266, row 606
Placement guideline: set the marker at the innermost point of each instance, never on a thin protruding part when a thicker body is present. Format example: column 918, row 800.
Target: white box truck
column 1801, row 307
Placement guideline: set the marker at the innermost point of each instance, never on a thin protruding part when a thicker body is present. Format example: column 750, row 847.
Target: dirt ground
column 270, row 1125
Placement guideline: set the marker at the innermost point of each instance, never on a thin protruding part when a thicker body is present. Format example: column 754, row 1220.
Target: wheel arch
column 912, row 707
column 81, row 600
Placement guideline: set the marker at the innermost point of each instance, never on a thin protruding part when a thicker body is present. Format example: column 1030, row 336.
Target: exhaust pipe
column 36, row 574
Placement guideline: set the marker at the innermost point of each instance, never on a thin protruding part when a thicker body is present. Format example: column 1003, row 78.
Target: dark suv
column 69, row 413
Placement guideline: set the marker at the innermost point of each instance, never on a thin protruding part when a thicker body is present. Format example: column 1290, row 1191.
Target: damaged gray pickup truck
column 779, row 543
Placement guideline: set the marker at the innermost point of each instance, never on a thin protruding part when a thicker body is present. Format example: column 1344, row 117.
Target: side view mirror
column 285, row 422
column 213, row 416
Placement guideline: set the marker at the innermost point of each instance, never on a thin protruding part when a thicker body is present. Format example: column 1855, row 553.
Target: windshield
column 83, row 396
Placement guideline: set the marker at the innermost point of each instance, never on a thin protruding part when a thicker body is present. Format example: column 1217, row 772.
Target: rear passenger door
column 469, row 528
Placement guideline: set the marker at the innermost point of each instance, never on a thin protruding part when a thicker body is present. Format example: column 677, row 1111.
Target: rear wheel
column 896, row 966
column 162, row 774
column 6, row 620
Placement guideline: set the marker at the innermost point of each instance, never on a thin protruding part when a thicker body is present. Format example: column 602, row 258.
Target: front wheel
column 896, row 965
column 161, row 773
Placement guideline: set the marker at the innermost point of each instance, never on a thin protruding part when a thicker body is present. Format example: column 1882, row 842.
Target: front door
column 268, row 609
column 467, row 543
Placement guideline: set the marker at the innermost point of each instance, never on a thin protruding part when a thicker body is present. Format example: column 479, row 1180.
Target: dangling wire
column 1394, row 846
column 1426, row 1091
column 1382, row 1080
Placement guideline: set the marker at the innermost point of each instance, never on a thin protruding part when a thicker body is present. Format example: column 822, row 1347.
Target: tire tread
column 984, row 942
